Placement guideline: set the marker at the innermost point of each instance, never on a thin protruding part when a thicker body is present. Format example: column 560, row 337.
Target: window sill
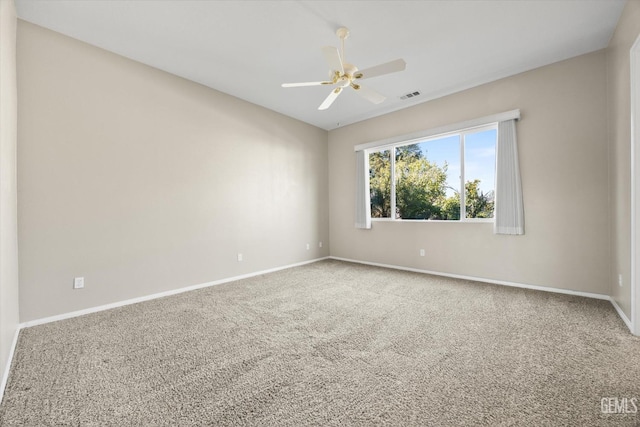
column 428, row 221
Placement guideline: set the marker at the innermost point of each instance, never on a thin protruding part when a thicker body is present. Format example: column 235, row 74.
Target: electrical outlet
column 78, row 283
column 239, row 257
column 319, row 244
column 422, row 252
column 620, row 280
column 308, row 246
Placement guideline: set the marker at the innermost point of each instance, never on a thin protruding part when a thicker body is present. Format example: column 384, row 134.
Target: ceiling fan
column 344, row 74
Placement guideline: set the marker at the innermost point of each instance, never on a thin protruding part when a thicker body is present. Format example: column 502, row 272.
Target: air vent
column 410, row 95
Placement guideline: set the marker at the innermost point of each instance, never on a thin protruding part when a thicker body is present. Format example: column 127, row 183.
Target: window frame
column 462, row 133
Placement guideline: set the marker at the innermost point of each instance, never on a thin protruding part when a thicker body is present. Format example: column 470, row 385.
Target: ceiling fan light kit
column 344, row 74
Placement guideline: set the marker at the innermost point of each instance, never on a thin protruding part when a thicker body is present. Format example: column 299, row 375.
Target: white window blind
column 509, row 210
column 363, row 203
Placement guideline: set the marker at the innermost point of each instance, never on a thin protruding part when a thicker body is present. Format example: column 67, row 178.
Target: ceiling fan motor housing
column 343, row 32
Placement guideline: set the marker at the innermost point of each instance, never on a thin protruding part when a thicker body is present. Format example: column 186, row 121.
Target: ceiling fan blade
column 332, row 56
column 329, row 100
column 306, row 84
column 379, row 70
column 368, row 94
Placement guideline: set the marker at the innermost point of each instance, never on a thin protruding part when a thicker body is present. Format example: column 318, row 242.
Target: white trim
column 393, row 205
column 463, row 190
column 480, row 279
column 634, row 62
column 454, row 127
column 72, row 314
column 623, row 316
column 7, row 368
column 443, row 221
column 604, row 297
column 158, row 295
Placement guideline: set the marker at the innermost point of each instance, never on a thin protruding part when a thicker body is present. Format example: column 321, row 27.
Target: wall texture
column 562, row 141
column 619, row 106
column 143, row 182
column 8, row 203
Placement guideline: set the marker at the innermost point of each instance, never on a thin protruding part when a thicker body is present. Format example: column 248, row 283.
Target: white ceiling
column 248, row 48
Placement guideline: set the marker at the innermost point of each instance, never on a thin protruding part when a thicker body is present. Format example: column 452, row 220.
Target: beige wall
column 143, row 182
column 618, row 89
column 8, row 224
column 563, row 158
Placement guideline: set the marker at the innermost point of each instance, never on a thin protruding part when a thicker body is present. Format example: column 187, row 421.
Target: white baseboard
column 159, row 295
column 77, row 313
column 623, row 316
column 5, row 375
column 7, row 368
column 481, row 279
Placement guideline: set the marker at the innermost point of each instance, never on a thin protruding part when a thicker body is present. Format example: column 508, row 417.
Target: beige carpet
column 330, row 343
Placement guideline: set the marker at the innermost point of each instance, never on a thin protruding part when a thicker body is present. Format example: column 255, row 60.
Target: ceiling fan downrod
column 342, row 33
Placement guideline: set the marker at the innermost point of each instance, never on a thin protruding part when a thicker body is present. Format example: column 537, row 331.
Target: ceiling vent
column 410, row 95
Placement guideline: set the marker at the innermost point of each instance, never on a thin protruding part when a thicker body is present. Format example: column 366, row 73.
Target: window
column 422, row 180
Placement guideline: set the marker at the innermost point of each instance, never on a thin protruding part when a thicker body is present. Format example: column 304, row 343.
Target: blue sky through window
column 480, row 153
column 480, row 159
